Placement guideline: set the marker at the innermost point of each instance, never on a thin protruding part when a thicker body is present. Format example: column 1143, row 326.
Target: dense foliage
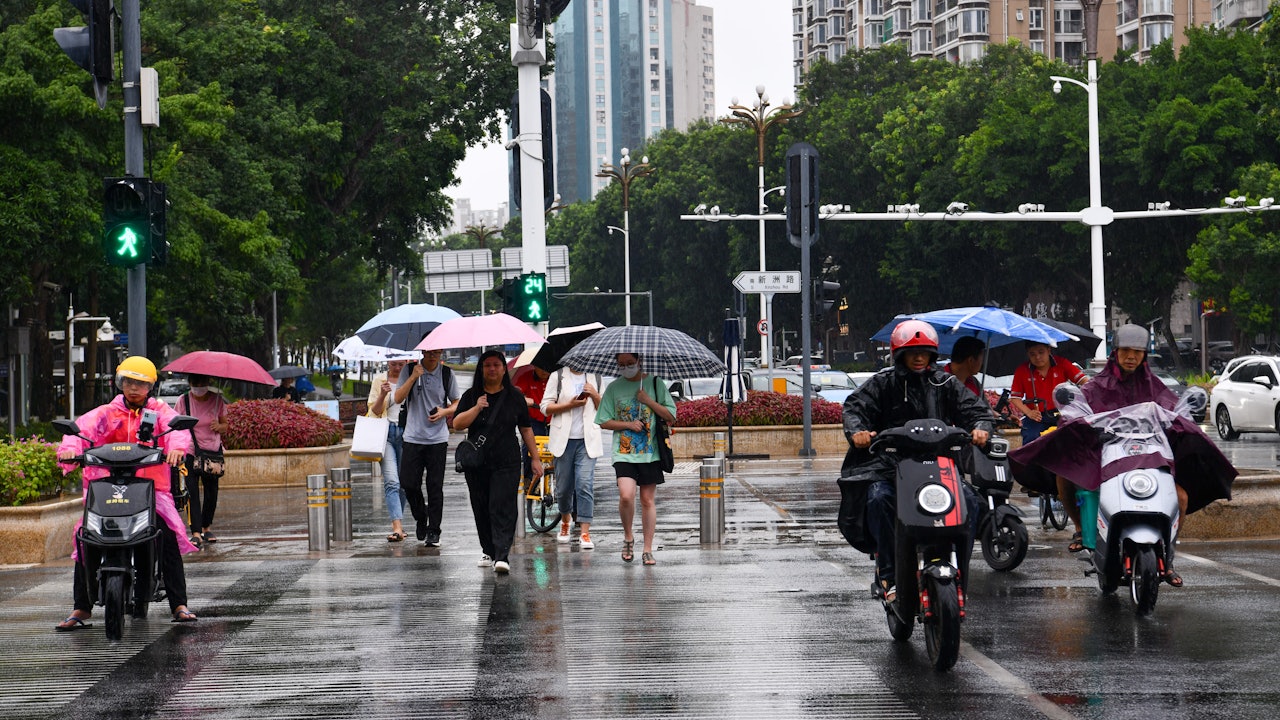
column 760, row 408
column 29, row 471
column 267, row 424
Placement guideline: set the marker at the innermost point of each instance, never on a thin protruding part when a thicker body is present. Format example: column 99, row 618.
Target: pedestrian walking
column 570, row 401
column 207, row 465
column 381, row 404
column 430, row 395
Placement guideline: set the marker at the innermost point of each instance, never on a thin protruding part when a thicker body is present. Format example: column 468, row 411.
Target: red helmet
column 913, row 334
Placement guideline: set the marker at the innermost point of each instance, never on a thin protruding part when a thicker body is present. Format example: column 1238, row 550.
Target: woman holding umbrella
column 627, row 408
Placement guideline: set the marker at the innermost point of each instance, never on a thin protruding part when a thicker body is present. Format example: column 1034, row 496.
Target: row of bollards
column 711, row 494
column 328, row 508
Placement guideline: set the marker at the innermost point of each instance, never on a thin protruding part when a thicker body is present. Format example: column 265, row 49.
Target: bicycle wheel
column 1057, row 514
column 540, row 504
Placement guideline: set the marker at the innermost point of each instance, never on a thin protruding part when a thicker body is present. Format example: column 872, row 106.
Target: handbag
column 662, row 435
column 209, row 462
column 370, row 438
column 851, row 518
column 469, row 455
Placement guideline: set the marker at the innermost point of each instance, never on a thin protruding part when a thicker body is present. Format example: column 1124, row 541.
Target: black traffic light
column 159, row 213
column 531, row 298
column 825, row 294
column 802, row 193
column 126, row 220
column 92, row 46
column 548, row 166
column 507, row 291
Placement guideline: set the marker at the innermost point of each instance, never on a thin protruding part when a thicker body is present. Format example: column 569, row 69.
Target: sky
column 753, row 47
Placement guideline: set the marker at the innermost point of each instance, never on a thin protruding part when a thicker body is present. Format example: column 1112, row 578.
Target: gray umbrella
column 287, row 371
column 664, row 352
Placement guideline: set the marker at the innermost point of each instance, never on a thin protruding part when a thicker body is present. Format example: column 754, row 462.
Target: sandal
column 628, row 550
column 1172, row 578
column 209, row 537
column 197, row 540
column 396, row 537
column 72, row 623
column 891, row 594
column 647, row 558
column 184, row 616
column 1077, row 543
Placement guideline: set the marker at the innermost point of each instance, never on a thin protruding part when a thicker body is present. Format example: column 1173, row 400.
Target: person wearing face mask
column 627, row 408
column 913, row 389
column 208, row 407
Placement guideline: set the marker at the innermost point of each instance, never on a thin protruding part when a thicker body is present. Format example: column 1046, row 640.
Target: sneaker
column 502, row 567
column 563, row 537
column 432, row 540
column 586, row 542
column 485, row 561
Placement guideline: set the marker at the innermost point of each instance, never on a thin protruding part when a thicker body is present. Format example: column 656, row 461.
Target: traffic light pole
column 131, row 37
column 528, row 53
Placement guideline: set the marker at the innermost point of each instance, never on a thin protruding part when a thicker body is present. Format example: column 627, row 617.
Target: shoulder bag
column 370, row 438
column 206, row 462
column 469, row 455
column 662, row 435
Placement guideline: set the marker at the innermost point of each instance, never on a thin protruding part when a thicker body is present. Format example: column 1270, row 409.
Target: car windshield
column 831, row 380
column 703, row 386
column 172, row 387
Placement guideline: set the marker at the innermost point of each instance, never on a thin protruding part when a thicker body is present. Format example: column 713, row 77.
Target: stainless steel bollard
column 340, row 503
column 718, row 446
column 711, row 503
column 317, row 513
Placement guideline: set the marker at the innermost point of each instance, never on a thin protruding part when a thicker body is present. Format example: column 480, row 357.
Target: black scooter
column 1000, row 527
column 931, row 535
column 119, row 539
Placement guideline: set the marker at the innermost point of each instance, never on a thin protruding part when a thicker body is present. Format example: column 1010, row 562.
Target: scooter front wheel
column 1145, row 586
column 113, row 594
column 942, row 630
column 1004, row 546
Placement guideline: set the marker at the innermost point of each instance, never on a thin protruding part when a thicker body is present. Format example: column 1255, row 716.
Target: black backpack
column 446, row 376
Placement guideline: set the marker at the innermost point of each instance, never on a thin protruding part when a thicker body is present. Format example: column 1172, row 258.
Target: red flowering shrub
column 266, row 424
column 760, row 408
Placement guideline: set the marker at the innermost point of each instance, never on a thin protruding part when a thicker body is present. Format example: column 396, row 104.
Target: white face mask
column 629, row 371
column 199, row 391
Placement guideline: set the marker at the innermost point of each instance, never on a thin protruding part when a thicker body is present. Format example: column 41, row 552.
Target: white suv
column 1247, row 399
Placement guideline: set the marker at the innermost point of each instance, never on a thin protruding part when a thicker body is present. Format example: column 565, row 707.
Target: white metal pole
column 626, row 261
column 766, row 357
column 1098, row 307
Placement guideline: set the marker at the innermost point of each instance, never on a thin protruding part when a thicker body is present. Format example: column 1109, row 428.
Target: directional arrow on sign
column 768, row 281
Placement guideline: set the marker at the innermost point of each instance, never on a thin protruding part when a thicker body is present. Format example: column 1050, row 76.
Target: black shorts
column 649, row 473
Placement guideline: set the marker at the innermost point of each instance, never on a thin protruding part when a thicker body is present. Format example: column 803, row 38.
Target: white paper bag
column 370, row 438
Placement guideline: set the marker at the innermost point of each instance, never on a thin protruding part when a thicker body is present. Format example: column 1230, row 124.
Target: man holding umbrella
column 429, row 394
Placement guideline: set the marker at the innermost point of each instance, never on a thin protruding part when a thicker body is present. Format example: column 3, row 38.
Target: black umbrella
column 288, row 371
column 560, row 341
column 1005, row 359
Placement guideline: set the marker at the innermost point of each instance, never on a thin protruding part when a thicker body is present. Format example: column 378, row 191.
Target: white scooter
column 1137, row 504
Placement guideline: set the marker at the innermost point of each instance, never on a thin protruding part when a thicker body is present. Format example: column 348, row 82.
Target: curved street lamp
column 760, row 117
column 624, row 173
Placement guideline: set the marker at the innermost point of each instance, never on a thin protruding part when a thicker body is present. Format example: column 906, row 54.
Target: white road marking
column 1230, row 568
column 1014, row 684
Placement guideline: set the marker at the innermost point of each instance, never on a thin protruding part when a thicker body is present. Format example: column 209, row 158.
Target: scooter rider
column 118, row 421
column 912, row 389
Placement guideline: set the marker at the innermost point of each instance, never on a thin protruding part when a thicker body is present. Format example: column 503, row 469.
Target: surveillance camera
column 715, row 209
column 1057, row 88
column 51, row 287
column 596, row 288
column 1235, row 202
column 511, row 145
column 1266, row 202
column 701, row 209
column 957, row 208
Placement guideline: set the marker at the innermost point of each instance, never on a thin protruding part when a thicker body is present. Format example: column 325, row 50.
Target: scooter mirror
column 66, row 427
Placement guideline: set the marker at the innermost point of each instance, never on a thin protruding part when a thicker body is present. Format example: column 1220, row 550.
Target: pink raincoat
column 115, row 422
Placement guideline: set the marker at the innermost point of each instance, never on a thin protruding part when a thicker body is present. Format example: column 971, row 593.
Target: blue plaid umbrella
column 664, row 352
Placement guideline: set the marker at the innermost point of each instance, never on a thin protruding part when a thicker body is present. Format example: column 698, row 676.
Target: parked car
column 1234, row 363
column 1248, row 399
column 858, row 378
column 1174, row 384
column 815, row 363
column 695, row 388
column 170, row 390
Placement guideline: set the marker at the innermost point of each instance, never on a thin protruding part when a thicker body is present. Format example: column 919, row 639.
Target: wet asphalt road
column 774, row 623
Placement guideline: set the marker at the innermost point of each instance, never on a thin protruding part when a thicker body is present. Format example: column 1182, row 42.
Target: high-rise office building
column 960, row 30
column 625, row 69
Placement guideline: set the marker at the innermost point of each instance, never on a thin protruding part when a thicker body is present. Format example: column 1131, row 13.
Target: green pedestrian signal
column 531, row 298
column 126, row 217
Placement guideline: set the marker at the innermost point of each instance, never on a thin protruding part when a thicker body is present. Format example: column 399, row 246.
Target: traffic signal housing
column 802, row 194
column 126, row 219
column 548, row 152
column 92, row 46
column 531, row 298
column 825, row 294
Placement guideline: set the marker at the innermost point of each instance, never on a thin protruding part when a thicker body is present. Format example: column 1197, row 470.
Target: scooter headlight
column 934, row 499
column 1140, row 486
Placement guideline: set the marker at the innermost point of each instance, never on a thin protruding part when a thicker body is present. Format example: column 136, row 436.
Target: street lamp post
column 1096, row 215
column 624, row 173
column 760, row 118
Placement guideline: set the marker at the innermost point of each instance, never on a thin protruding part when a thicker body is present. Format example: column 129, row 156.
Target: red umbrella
column 224, row 365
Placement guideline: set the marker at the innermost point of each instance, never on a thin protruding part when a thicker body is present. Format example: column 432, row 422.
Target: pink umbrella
column 228, row 366
column 468, row 332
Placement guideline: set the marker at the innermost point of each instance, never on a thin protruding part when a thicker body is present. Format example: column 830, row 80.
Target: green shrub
column 29, row 472
column 760, row 408
column 268, row 424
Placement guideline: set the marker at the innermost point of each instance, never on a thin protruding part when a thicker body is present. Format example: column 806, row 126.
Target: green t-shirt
column 619, row 403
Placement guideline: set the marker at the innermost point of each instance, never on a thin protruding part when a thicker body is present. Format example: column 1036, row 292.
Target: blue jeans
column 882, row 520
column 575, row 481
column 391, row 473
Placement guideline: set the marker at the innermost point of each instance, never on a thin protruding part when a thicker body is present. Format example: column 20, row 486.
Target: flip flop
column 184, row 616
column 210, row 537
column 396, row 537
column 71, row 624
column 1172, row 578
column 1077, row 543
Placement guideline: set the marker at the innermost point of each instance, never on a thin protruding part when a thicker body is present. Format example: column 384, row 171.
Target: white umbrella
column 355, row 349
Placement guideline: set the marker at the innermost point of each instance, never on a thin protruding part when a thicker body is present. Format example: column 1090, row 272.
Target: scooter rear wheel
column 113, row 594
column 1146, row 581
column 942, row 631
column 1004, row 546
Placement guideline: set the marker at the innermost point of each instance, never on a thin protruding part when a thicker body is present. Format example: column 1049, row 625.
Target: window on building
column 837, row 26
column 1070, row 52
column 922, row 10
column 1155, row 33
column 875, row 7
column 1068, row 22
column 653, row 85
column 1036, row 20
column 599, row 53
column 601, row 116
column 837, row 51
column 653, row 53
column 921, row 40
column 600, row 131
column 1037, row 46
column 599, row 101
column 655, row 117
column 653, row 68
column 973, row 22
column 1157, row 7
column 874, row 32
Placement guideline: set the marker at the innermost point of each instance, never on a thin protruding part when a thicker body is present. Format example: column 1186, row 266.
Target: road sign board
column 458, row 270
column 557, row 264
column 768, row 281
column 762, row 327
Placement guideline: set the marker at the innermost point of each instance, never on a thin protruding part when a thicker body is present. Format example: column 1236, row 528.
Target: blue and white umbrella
column 993, row 326
column 664, row 352
column 402, row 327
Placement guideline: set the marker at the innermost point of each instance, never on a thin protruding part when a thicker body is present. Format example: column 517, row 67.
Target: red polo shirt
column 533, row 388
column 1035, row 389
column 970, row 382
